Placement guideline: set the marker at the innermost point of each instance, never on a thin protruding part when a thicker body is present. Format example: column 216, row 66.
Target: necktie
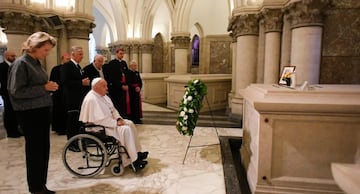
column 78, row 66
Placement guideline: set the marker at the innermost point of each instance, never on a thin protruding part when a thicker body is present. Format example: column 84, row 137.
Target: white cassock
column 100, row 110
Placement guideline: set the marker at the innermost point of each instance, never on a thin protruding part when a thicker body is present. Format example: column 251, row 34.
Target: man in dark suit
column 94, row 69
column 114, row 73
column 10, row 122
column 59, row 112
column 75, row 86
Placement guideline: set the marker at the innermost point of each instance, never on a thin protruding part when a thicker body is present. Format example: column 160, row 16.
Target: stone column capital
column 147, row 48
column 246, row 24
column 272, row 20
column 233, row 37
column 306, row 13
column 17, row 22
column 79, row 29
column 124, row 46
column 181, row 42
column 135, row 47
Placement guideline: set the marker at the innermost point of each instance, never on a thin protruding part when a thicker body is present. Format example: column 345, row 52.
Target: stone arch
column 158, row 54
column 195, row 50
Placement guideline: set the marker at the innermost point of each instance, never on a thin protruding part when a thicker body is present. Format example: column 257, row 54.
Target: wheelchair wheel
column 84, row 155
column 117, row 169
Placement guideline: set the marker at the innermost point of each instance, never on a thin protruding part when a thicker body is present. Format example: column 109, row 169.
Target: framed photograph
column 286, row 72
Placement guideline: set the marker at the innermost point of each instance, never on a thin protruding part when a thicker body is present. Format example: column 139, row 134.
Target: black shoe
column 138, row 165
column 47, row 191
column 142, row 155
column 138, row 122
column 14, row 136
column 74, row 148
column 50, row 192
column 61, row 132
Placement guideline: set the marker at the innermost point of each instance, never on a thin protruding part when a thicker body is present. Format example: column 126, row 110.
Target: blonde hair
column 37, row 40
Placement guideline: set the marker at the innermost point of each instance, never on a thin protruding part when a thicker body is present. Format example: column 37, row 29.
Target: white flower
column 196, row 81
column 184, row 128
column 185, row 117
column 189, row 98
column 185, row 101
column 191, row 110
column 185, row 109
column 182, row 113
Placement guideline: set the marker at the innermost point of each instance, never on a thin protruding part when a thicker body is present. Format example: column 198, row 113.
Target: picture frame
column 285, row 71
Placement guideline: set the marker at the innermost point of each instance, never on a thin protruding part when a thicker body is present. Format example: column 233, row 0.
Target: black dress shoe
column 143, row 155
column 49, row 191
column 45, row 191
column 138, row 165
column 61, row 132
column 138, row 122
column 74, row 148
column 15, row 135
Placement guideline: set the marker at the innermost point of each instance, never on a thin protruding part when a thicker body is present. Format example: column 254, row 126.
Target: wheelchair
column 91, row 151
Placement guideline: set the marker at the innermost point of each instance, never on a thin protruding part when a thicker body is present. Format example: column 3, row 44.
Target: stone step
column 204, row 120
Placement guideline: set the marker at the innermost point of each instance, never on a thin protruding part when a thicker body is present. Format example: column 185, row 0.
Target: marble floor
column 201, row 173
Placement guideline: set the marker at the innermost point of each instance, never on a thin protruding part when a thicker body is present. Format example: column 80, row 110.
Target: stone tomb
column 291, row 136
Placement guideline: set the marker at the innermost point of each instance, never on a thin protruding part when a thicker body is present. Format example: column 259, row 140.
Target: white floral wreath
column 190, row 107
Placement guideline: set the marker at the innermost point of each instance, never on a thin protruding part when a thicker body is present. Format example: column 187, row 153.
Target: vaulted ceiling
column 129, row 20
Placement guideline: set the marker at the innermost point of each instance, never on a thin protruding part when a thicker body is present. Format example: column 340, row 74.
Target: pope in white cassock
column 97, row 108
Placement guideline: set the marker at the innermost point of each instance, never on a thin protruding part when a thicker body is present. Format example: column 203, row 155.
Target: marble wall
column 341, row 49
column 220, row 57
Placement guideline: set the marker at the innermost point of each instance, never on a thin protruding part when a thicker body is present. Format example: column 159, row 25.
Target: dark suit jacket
column 4, row 70
column 56, row 77
column 91, row 72
column 74, row 91
column 113, row 73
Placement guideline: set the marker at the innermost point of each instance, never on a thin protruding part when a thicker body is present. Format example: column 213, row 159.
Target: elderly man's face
column 99, row 62
column 101, row 87
column 78, row 55
column 133, row 66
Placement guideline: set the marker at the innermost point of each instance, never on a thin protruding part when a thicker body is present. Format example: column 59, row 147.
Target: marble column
column 17, row 32
column 233, row 70
column 272, row 24
column 306, row 19
column 25, row 25
column 146, row 53
column 285, row 44
column 135, row 53
column 260, row 53
column 246, row 29
column 78, row 35
column 182, row 46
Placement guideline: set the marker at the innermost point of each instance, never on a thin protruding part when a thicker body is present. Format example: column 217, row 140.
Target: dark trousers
column 10, row 120
column 72, row 123
column 36, row 127
column 58, row 116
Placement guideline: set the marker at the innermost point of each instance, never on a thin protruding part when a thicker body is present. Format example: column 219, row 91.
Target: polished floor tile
column 201, row 173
